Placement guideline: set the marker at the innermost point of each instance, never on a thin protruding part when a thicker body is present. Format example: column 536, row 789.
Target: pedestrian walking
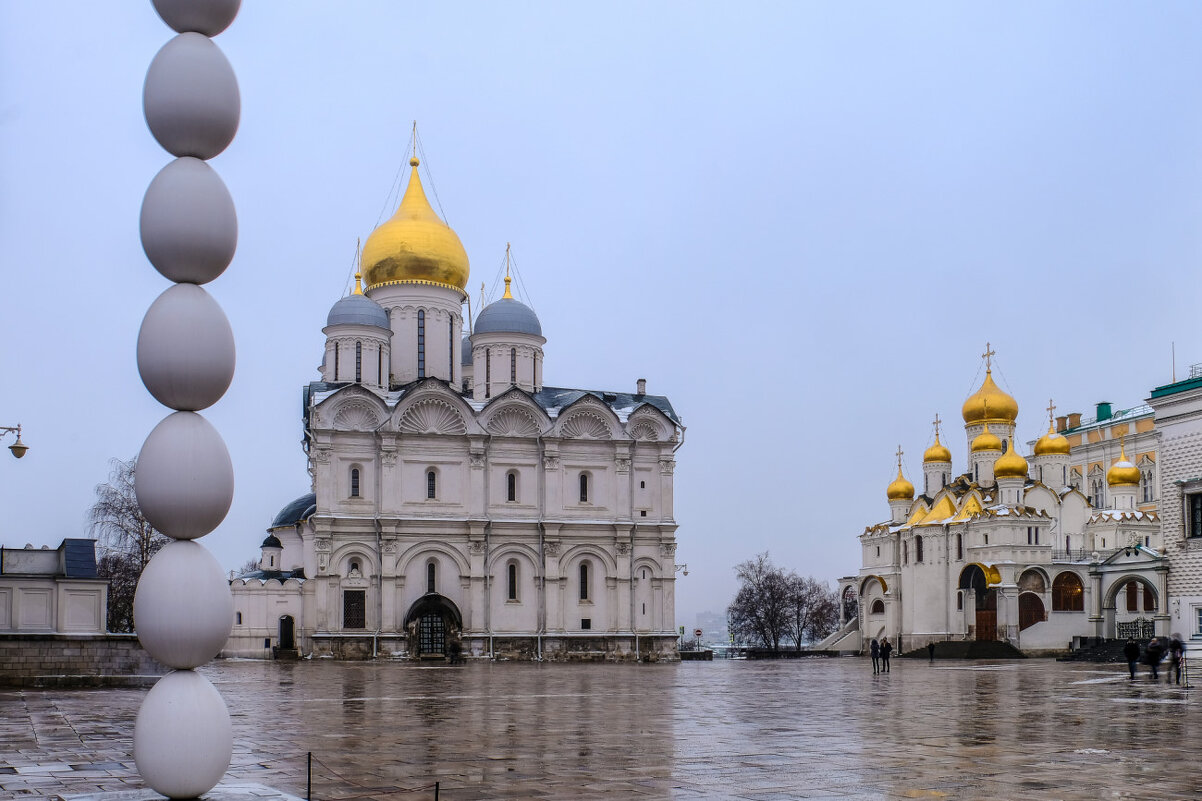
column 886, row 649
column 1152, row 655
column 1131, row 654
column 931, row 651
column 875, row 650
column 1176, row 652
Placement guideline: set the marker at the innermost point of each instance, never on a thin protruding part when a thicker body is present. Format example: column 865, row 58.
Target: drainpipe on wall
column 541, row 579
column 630, row 587
column 379, row 471
column 488, row 548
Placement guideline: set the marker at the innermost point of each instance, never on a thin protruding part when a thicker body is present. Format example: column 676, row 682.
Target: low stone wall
column 75, row 660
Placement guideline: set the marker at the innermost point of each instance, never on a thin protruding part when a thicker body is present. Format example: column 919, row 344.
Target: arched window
column 918, row 549
column 960, row 601
column 512, row 580
column 959, row 546
column 487, row 372
column 1132, row 596
column 451, row 350
column 421, row 343
column 878, row 607
column 354, row 482
column 511, row 486
column 335, row 361
column 431, row 484
column 1145, row 481
column 431, row 577
column 905, row 553
column 380, row 367
column 358, row 362
column 584, row 487
column 584, row 571
column 513, row 365
column 1068, row 594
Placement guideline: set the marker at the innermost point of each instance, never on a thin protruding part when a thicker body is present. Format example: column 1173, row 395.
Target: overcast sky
column 800, row 222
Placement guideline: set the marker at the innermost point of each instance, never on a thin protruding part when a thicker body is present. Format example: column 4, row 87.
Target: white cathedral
column 458, row 504
column 1009, row 548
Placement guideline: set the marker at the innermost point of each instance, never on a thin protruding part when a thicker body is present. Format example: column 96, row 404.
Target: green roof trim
column 1180, row 386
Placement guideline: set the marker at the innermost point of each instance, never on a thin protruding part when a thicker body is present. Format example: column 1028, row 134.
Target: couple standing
column 880, row 655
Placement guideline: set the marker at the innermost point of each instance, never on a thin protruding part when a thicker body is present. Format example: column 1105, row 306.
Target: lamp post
column 18, row 448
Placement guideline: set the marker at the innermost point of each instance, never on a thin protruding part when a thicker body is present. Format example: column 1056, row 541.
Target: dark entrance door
column 287, row 635
column 987, row 616
column 431, row 635
column 1030, row 610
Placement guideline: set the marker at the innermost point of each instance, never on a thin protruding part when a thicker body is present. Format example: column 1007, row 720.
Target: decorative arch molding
column 651, row 564
column 432, row 415
column 341, row 557
column 515, row 550
column 868, row 579
column 585, row 424
column 514, row 420
column 577, row 552
column 352, row 408
column 1110, row 597
column 650, row 424
column 646, row 431
column 993, row 576
column 423, row 550
column 1027, row 580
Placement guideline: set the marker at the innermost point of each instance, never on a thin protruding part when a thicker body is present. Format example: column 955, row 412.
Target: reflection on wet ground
column 816, row 728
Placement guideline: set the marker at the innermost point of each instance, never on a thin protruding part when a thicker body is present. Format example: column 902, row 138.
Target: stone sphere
column 209, row 17
column 186, row 349
column 183, row 609
column 188, row 224
column 184, row 480
column 191, row 98
column 183, row 739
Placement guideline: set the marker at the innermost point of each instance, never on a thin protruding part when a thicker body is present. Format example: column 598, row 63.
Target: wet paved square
column 815, row 728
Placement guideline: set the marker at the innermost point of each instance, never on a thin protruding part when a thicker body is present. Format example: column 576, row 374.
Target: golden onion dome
column 414, row 245
column 1010, row 465
column 986, row 441
column 1052, row 443
column 1122, row 473
column 900, row 489
column 937, row 452
column 989, row 404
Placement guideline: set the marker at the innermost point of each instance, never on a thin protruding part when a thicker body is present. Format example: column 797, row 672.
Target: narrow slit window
column 513, row 581
column 451, row 351
column 358, row 362
column 487, row 373
column 584, row 487
column 513, row 365
column 431, row 576
column 354, row 482
column 584, row 581
column 431, row 485
column 511, row 488
column 335, row 361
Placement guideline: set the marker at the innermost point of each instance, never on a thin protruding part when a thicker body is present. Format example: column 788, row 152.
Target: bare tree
column 127, row 540
column 813, row 609
column 759, row 614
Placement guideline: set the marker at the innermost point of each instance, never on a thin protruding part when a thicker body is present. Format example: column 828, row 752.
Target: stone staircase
column 1103, row 651
column 968, row 649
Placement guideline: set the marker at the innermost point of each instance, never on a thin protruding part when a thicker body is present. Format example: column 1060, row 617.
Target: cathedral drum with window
column 1009, row 549
column 458, row 504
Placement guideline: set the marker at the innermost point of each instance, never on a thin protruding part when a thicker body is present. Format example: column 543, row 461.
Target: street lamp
column 679, row 568
column 18, row 448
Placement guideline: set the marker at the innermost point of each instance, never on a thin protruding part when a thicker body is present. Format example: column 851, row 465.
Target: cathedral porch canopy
column 433, row 603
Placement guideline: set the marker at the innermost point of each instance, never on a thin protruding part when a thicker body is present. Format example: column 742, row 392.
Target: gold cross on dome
column 1051, row 410
column 937, row 422
column 899, row 456
column 988, row 355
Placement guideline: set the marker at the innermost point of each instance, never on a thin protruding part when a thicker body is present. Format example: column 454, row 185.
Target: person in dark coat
column 1152, row 655
column 1131, row 654
column 931, row 651
column 875, row 650
column 886, row 649
column 1176, row 651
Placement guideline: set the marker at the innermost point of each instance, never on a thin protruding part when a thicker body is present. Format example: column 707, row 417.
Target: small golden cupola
column 1052, row 443
column 1122, row 473
column 900, row 489
column 989, row 404
column 414, row 245
column 986, row 441
column 937, row 452
column 1010, row 465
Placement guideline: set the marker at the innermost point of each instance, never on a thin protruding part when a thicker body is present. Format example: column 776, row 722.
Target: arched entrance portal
column 975, row 586
column 287, row 633
column 1030, row 610
column 433, row 623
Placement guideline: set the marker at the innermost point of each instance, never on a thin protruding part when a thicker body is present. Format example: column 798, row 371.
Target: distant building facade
column 44, row 591
column 459, row 504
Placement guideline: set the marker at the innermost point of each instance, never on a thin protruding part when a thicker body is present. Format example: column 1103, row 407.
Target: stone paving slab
column 759, row 731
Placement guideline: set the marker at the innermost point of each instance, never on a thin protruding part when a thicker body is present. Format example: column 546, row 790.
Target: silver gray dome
column 508, row 316
column 466, row 358
column 358, row 310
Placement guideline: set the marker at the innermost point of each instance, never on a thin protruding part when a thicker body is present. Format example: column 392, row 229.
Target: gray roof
column 358, row 310
column 508, row 316
column 295, row 512
column 79, row 558
column 466, row 359
column 278, row 575
column 272, row 541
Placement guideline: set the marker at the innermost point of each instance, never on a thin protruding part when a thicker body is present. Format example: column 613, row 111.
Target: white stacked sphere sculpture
column 184, row 482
